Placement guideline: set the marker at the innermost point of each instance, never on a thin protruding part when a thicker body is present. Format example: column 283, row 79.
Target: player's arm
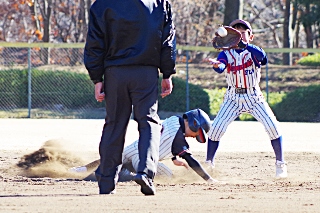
column 259, row 56
column 219, row 64
column 179, row 162
column 196, row 166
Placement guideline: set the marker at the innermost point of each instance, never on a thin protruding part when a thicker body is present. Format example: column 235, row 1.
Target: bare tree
column 43, row 24
column 233, row 10
column 15, row 22
column 307, row 19
column 276, row 23
column 287, row 32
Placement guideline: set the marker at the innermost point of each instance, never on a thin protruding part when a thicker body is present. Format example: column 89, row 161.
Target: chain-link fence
column 46, row 83
column 52, row 82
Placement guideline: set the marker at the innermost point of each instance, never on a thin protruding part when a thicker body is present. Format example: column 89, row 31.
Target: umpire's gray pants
column 129, row 88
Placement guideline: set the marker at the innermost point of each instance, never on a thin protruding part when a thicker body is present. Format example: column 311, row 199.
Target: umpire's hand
column 98, row 91
column 166, row 85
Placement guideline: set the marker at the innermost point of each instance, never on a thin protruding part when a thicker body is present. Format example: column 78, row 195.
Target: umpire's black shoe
column 146, row 184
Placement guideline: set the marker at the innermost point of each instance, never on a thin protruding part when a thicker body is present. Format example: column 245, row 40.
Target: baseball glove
column 230, row 41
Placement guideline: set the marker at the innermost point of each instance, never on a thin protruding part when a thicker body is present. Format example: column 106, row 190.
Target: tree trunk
column 287, row 57
column 46, row 13
column 233, row 10
column 308, row 29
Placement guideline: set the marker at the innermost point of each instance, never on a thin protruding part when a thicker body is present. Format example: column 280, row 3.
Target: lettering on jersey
column 235, row 69
column 249, row 72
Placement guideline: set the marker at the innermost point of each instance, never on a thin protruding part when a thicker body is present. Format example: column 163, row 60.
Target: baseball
column 222, row 31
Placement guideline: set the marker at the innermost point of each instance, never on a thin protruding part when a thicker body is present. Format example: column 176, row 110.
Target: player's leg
column 228, row 112
column 129, row 152
column 212, row 148
column 164, row 171
column 277, row 147
column 92, row 166
column 130, row 156
column 127, row 173
column 135, row 162
column 263, row 113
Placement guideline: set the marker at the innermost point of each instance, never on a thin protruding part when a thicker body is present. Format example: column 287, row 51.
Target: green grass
column 310, row 60
column 54, row 114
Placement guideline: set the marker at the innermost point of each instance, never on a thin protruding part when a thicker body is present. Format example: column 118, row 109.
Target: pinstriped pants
column 234, row 105
column 131, row 156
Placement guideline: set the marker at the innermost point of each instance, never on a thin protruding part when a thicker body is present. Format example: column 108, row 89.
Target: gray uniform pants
column 129, row 88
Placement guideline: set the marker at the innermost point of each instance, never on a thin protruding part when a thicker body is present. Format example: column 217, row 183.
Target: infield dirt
column 245, row 163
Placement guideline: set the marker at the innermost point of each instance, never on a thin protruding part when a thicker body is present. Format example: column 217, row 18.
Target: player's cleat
column 146, row 183
column 78, row 169
column 212, row 181
column 209, row 165
column 281, row 169
column 215, row 182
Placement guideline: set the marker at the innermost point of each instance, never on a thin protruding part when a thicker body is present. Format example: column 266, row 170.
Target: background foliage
column 65, row 94
column 176, row 101
column 301, row 105
column 311, row 60
column 276, row 24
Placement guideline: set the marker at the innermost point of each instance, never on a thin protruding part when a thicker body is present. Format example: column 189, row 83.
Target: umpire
column 128, row 43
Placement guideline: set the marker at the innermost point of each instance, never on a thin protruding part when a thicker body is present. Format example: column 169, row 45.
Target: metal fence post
column 187, row 80
column 29, row 82
column 267, row 89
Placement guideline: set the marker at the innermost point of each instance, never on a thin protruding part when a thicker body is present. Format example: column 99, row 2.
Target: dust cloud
column 51, row 160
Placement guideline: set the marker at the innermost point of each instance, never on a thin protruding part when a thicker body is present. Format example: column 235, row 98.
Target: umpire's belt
column 241, row 90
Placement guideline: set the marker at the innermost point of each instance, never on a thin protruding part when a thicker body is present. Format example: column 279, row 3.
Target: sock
column 212, row 149
column 277, row 147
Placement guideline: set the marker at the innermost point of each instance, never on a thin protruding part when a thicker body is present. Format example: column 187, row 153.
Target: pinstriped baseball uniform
column 243, row 94
column 170, row 128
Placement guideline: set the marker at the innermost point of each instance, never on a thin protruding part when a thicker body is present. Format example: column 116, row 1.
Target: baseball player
column 242, row 68
column 173, row 144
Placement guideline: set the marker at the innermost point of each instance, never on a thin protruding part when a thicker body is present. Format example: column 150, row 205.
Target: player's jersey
column 241, row 71
column 242, row 66
column 171, row 129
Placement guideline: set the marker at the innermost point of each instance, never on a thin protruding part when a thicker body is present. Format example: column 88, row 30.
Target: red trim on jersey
column 228, row 68
column 240, row 67
column 182, row 152
column 234, row 61
column 244, row 71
